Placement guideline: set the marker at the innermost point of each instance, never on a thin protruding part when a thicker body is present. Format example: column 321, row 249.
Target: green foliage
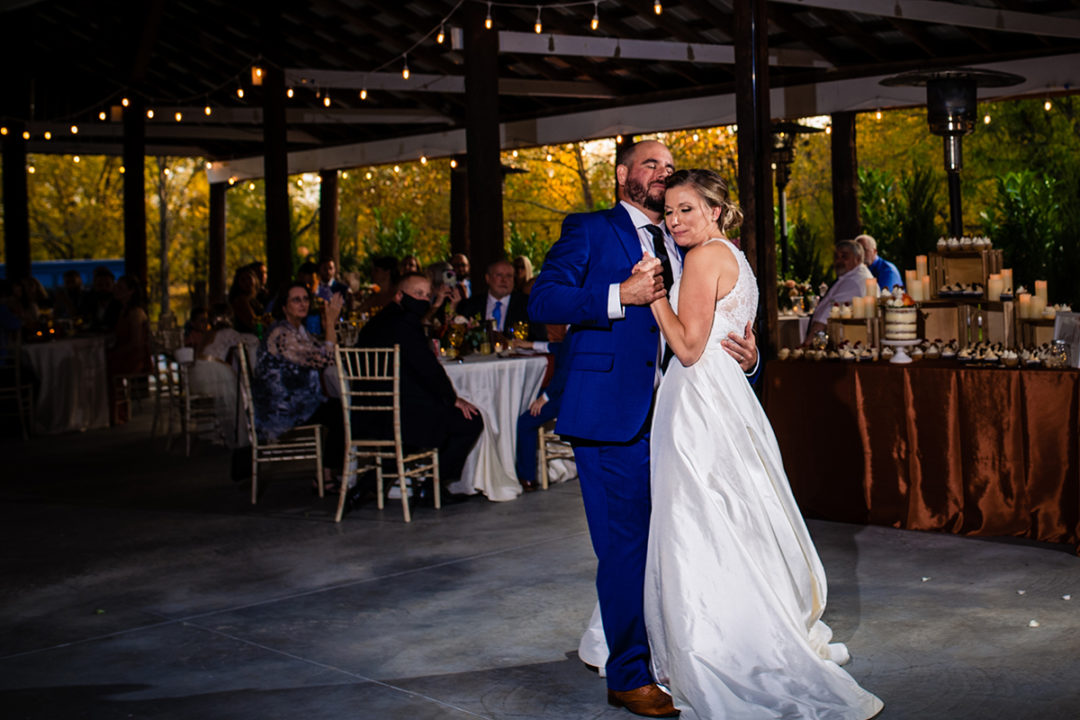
column 906, row 217
column 1035, row 221
column 806, row 254
column 396, row 238
column 530, row 246
column 879, row 208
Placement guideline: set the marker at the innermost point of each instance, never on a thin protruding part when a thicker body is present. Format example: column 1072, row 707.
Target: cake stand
column 901, row 357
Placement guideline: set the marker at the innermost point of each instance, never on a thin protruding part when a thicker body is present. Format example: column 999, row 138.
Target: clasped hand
column 645, row 284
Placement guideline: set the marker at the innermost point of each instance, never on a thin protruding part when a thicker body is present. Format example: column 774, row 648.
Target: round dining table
column 73, row 385
column 501, row 388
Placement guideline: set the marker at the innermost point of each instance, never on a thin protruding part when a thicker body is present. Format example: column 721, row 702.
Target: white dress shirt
column 640, row 220
column 851, row 284
column 503, row 310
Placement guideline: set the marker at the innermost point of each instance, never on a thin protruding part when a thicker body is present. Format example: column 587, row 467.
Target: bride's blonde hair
column 714, row 191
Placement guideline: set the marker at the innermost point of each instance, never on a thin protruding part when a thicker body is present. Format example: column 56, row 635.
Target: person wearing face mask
column 432, row 414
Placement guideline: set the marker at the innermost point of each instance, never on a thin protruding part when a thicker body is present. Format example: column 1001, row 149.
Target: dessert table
column 792, row 329
column 501, row 388
column 931, row 446
column 73, row 394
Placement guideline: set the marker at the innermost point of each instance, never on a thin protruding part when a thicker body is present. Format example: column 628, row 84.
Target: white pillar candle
column 871, row 287
column 1006, row 280
column 924, row 292
column 1024, row 300
column 920, row 265
column 994, row 286
column 1038, row 304
column 1040, row 291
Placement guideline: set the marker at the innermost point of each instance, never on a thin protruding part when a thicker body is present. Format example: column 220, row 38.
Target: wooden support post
column 845, row 178
column 216, row 245
column 16, row 198
column 135, row 191
column 482, row 141
column 459, row 206
column 755, row 171
column 329, row 247
column 279, row 253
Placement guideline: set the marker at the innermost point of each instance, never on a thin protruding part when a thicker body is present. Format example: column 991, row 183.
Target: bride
column 734, row 589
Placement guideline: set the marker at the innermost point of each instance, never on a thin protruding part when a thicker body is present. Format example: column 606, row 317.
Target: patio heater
column 783, row 155
column 951, row 111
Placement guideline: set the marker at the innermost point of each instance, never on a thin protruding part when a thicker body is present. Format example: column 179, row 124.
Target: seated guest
column 445, row 296
column 308, row 275
column 384, row 273
column 501, row 303
column 129, row 351
column 544, row 408
column 243, row 299
column 213, row 375
column 884, row 272
column 851, row 275
column 523, row 274
column 100, row 307
column 262, row 274
column 328, row 282
column 460, row 263
column 287, row 386
column 432, row 415
column 197, row 326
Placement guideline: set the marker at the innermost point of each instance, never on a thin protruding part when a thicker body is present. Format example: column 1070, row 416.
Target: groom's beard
column 639, row 194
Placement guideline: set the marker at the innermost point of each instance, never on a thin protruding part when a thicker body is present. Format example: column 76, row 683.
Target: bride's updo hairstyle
column 714, row 191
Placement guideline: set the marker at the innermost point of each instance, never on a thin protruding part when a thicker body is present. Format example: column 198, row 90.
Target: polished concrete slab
column 143, row 584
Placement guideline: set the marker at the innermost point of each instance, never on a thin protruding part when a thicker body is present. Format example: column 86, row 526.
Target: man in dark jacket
column 432, row 415
column 501, row 304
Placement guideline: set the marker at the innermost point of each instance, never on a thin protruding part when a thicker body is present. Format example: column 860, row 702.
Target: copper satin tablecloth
column 931, row 446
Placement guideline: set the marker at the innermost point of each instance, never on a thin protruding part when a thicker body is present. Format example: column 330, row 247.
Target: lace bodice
column 736, row 308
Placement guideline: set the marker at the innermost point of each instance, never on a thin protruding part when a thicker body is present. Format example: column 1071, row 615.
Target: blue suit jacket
column 611, row 363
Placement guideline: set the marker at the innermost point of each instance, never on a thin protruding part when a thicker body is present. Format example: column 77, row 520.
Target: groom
column 614, row 353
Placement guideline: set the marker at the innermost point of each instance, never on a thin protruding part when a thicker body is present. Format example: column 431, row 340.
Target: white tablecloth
column 501, row 389
column 74, row 390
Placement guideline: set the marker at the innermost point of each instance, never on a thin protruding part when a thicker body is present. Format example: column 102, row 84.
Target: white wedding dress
column 734, row 589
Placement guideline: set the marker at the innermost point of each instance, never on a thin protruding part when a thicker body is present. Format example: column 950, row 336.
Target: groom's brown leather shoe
column 647, row 701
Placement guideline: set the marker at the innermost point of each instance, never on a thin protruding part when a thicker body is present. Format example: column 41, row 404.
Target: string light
column 657, row 7
column 363, row 93
column 397, row 168
column 150, row 114
column 207, row 110
column 453, row 163
column 423, row 159
column 828, row 129
column 48, row 135
column 122, row 170
column 442, row 34
column 3, row 130
column 289, row 93
column 695, row 137
column 209, row 166
column 986, row 119
column 251, row 186
column 539, row 26
column 487, row 20
column 877, row 115
column 1047, row 105
column 167, row 172
column 549, row 157
column 618, row 139
column 344, row 175
column 76, row 158
column 178, row 116
column 514, row 153
column 240, row 93
column 101, row 115
column 367, row 175
column 31, row 169
column 595, row 23
column 326, row 101
column 405, row 67
column 125, row 102
column 26, row 135
column 74, row 129
column 232, row 180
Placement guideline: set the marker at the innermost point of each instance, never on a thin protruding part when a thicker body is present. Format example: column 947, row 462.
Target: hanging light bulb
column 487, row 20
column 877, row 115
column 453, row 163
column 101, row 115
column 442, row 34
column 150, row 114
column 74, row 129
column 539, row 26
column 363, row 93
column 232, row 180
column 240, row 93
column 48, row 135
column 3, row 130
column 618, row 139
column 125, row 102
column 695, row 137
column 251, row 186
column 514, row 153
column 76, row 158
column 167, row 172
column 178, row 116
column 595, row 22
column 367, row 175
column 397, row 168
column 1047, row 105
column 209, row 165
column 326, row 101
column 31, row 169
column 26, row 135
column 405, row 67
column 423, row 159
column 344, row 175
column 986, row 119
column 657, row 7
column 549, row 157
column 828, row 129
column 121, row 169
column 289, row 93
column 207, row 110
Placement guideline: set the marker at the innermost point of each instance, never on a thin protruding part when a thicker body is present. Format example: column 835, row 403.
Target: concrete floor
column 142, row 584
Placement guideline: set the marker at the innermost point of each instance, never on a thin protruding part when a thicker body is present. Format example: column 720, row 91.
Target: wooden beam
column 755, row 171
column 459, row 206
column 845, row 177
column 16, row 208
column 279, row 254
column 135, row 192
column 216, row 244
column 420, row 82
column 949, row 13
column 329, row 247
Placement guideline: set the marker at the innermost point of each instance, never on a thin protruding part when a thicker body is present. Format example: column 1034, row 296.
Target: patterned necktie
column 660, row 250
column 496, row 314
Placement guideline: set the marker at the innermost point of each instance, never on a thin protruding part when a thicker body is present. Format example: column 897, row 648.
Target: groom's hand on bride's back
column 743, row 349
column 645, row 284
